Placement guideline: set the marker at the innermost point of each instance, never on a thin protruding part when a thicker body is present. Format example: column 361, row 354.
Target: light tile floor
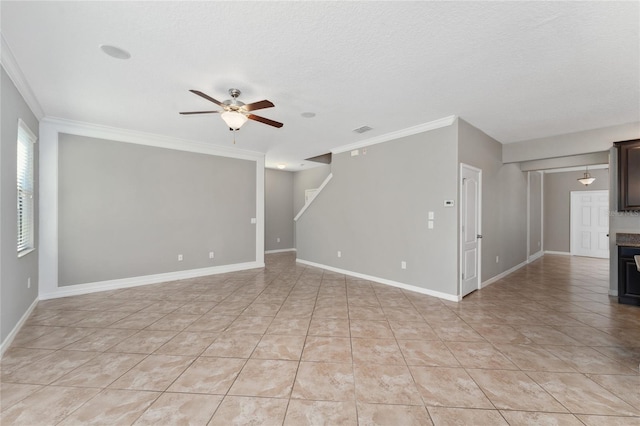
column 295, row 345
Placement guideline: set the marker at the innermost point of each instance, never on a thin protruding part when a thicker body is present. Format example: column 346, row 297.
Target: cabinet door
column 632, row 278
column 629, row 174
column 628, row 281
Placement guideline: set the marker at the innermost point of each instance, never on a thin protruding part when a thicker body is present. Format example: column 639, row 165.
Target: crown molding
column 14, row 72
column 424, row 127
column 72, row 127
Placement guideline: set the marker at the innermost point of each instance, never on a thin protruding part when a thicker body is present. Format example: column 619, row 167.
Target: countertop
column 628, row 240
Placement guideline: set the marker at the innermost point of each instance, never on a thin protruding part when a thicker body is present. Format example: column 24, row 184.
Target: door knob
column 479, row 236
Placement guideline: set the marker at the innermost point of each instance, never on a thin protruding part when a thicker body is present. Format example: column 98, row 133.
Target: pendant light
column 586, row 180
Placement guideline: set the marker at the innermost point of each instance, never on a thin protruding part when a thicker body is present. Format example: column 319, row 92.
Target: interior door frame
column 533, row 256
column 460, row 223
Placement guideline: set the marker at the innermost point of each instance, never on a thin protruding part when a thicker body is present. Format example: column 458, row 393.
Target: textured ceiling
column 516, row 70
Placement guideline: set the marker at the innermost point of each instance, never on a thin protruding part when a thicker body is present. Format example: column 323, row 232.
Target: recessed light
column 115, row 52
column 308, row 114
column 281, row 166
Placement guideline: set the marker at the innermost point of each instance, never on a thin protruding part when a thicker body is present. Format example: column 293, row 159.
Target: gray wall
column 504, row 201
column 557, row 205
column 128, row 210
column 535, row 213
column 307, row 179
column 375, row 210
column 14, row 272
column 595, row 140
column 588, row 141
column 562, row 162
column 278, row 195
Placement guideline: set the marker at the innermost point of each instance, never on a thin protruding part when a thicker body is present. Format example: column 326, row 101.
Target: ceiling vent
column 362, row 129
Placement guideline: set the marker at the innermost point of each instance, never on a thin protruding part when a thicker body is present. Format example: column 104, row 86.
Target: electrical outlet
column 339, row 253
column 403, row 264
column 211, row 255
column 538, row 243
column 497, row 259
column 29, row 282
column 179, row 258
column 277, row 240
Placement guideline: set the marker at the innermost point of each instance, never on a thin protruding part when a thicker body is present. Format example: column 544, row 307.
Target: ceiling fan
column 234, row 112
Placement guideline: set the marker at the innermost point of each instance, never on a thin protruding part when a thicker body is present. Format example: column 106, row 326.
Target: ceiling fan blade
column 207, row 97
column 199, row 112
column 264, row 120
column 259, row 105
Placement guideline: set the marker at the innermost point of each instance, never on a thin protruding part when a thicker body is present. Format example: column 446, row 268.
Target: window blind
column 25, row 160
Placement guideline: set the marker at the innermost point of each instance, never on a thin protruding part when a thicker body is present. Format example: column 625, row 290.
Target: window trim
column 26, row 136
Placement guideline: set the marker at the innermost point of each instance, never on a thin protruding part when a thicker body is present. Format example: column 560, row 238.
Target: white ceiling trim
column 71, row 127
column 14, row 72
column 424, row 127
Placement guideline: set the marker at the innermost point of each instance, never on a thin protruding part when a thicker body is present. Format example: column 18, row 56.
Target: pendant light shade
column 586, row 180
column 234, row 119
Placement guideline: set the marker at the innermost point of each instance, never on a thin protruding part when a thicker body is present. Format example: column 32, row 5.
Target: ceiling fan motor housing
column 234, row 103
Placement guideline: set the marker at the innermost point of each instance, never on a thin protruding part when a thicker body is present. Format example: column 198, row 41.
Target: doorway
column 590, row 223
column 470, row 224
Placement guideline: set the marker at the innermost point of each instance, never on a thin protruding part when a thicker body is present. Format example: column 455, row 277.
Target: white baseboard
column 561, row 253
column 438, row 294
column 535, row 256
column 613, row 292
column 502, row 274
column 7, row 342
column 77, row 289
column 279, row 251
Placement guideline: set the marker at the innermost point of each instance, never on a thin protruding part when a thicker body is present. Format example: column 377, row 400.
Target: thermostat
column 449, row 203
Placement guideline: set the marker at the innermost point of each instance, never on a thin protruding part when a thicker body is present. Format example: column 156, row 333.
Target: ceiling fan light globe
column 234, row 119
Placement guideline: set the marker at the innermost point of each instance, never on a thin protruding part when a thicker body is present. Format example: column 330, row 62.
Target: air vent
column 362, row 129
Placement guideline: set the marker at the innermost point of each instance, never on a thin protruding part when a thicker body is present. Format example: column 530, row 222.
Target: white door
column 590, row 223
column 470, row 198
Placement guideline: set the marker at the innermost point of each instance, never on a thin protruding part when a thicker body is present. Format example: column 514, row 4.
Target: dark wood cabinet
column 628, row 276
column 628, row 175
